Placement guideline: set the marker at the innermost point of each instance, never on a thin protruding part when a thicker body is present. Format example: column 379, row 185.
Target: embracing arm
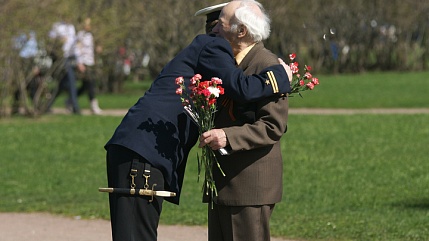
column 216, row 60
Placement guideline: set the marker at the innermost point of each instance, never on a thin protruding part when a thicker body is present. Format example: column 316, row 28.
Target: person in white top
column 84, row 52
column 66, row 32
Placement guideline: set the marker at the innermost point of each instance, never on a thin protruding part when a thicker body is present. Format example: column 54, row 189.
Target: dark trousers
column 68, row 82
column 72, row 86
column 88, row 82
column 239, row 223
column 133, row 218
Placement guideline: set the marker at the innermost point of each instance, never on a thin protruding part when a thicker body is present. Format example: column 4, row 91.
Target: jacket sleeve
column 270, row 125
column 216, row 60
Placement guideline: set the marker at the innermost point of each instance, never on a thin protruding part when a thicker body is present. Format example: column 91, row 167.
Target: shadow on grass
column 421, row 204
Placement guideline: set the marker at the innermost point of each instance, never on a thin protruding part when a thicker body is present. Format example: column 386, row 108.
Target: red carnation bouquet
column 300, row 82
column 199, row 102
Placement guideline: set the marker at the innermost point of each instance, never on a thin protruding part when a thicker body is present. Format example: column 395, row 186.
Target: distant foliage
column 333, row 36
column 340, row 36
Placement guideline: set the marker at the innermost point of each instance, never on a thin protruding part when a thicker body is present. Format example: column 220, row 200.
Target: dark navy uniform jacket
column 156, row 126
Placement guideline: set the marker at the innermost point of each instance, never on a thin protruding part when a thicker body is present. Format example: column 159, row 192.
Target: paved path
column 47, row 227
column 322, row 111
column 302, row 111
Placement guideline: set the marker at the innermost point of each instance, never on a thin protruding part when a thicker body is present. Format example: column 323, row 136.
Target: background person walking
column 65, row 32
column 85, row 64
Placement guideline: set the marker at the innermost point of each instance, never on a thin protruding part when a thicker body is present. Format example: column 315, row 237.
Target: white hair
column 257, row 24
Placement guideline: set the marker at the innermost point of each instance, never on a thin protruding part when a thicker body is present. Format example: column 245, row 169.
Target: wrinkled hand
column 214, row 138
column 287, row 69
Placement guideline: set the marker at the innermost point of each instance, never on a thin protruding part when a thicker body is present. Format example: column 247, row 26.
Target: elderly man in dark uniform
column 251, row 132
column 150, row 146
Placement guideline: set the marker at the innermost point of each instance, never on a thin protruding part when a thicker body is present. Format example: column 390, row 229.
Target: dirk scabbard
column 136, row 191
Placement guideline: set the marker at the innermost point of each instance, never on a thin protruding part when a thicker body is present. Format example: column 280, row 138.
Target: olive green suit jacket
column 254, row 170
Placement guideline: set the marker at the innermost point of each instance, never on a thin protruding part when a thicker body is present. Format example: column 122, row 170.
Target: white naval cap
column 212, row 13
column 206, row 11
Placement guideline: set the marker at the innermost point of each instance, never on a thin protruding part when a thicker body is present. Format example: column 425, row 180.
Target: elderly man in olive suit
column 251, row 131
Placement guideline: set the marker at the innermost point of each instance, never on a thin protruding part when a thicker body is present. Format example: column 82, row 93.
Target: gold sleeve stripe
column 273, row 81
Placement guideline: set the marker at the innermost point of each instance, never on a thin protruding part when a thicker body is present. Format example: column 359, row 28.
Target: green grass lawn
column 367, row 90
column 346, row 177
column 351, row 177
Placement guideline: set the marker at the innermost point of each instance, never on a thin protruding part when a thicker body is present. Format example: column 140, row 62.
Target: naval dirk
column 136, row 191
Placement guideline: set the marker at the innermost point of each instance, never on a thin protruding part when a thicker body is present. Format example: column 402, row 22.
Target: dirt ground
column 47, row 227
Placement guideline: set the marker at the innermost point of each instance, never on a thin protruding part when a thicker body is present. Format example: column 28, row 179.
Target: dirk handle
column 164, row 194
column 106, row 189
